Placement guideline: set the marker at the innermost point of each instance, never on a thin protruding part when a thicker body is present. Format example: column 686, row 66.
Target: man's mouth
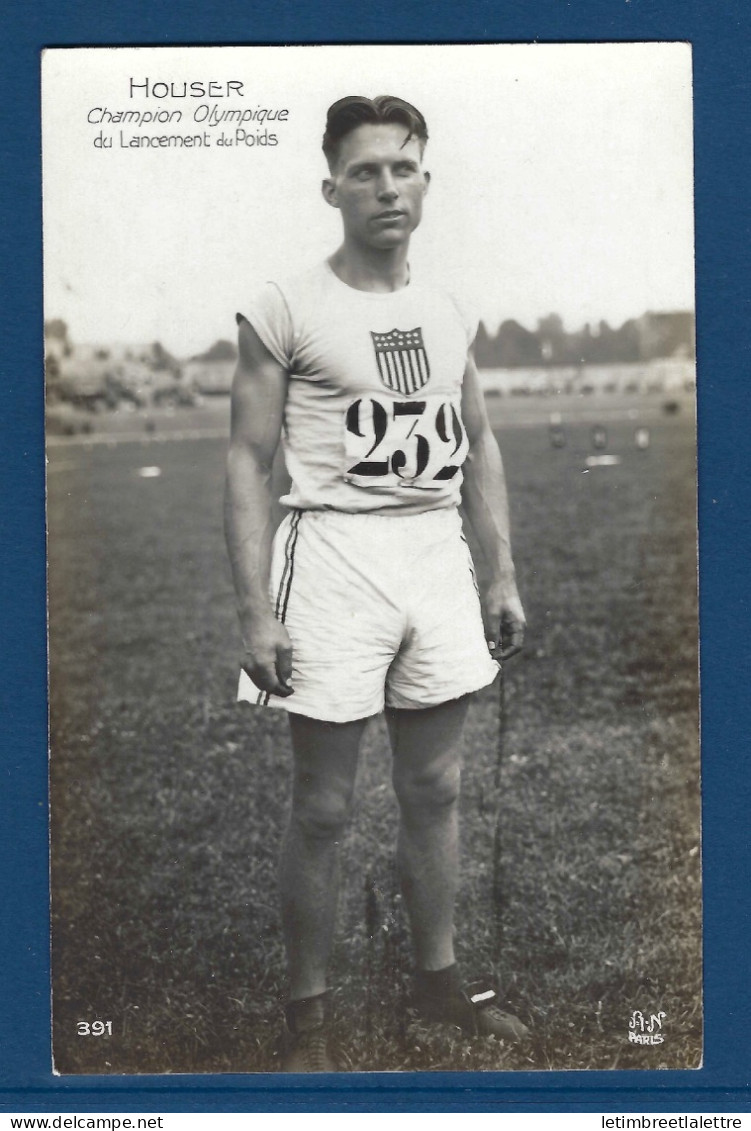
column 394, row 214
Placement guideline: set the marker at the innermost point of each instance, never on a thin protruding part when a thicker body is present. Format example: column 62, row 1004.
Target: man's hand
column 268, row 657
column 503, row 616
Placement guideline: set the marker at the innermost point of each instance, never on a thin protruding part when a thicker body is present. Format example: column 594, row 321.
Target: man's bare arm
column 259, row 392
column 486, row 505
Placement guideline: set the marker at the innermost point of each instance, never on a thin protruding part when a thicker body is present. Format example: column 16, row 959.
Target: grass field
column 581, row 879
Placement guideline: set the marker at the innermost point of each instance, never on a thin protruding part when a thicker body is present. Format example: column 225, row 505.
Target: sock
column 307, row 1012
column 439, row 983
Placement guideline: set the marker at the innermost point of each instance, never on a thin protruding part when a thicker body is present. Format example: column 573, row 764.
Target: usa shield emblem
column 402, row 360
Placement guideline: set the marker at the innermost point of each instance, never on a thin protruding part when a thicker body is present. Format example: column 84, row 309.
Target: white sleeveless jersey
column 372, row 421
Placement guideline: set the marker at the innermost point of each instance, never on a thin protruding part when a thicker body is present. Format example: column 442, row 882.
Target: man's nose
column 387, row 189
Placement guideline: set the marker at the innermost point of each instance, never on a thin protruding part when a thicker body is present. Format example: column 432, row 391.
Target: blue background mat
column 720, row 34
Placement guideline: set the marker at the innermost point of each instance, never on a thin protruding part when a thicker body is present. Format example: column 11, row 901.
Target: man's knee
column 428, row 791
column 321, row 814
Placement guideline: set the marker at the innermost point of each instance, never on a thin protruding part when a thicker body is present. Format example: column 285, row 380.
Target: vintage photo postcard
column 371, row 453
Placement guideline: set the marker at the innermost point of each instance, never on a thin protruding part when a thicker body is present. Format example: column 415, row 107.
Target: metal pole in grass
column 395, row 943
column 497, row 893
column 371, row 930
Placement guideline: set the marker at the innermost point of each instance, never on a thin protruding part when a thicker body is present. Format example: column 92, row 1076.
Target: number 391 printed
column 94, row 1028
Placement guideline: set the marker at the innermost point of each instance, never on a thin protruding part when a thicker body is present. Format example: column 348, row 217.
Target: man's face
column 378, row 185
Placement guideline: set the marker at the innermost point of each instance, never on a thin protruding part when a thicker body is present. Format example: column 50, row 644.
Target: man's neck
column 371, row 269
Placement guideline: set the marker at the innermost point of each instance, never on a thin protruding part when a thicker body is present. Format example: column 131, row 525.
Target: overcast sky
column 561, row 181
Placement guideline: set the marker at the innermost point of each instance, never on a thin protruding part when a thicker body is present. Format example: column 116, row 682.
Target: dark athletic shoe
column 474, row 1010
column 307, row 1036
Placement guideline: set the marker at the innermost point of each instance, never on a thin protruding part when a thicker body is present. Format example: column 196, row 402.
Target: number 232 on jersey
column 390, row 443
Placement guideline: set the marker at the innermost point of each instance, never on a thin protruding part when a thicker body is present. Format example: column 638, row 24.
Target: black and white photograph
column 370, row 387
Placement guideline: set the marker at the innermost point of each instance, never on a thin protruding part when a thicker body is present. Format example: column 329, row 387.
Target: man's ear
column 427, row 181
column 328, row 189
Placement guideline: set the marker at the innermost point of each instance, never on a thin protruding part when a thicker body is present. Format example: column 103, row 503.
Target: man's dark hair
column 355, row 110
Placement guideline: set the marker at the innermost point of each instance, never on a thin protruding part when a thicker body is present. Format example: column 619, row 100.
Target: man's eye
column 363, row 174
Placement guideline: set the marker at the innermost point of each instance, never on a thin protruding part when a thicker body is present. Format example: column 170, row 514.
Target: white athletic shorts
column 381, row 610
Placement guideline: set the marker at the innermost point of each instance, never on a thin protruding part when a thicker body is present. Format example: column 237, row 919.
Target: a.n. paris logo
column 402, row 360
column 646, row 1029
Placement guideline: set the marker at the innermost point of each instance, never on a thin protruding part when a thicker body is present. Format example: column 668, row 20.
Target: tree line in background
column 653, row 336
column 101, row 376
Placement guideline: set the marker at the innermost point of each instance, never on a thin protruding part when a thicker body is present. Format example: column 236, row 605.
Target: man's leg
column 325, row 764
column 427, row 763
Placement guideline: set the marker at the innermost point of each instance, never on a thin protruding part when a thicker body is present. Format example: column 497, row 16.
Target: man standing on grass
column 366, row 596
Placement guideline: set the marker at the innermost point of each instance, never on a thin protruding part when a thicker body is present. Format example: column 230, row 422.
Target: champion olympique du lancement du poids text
column 211, row 114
